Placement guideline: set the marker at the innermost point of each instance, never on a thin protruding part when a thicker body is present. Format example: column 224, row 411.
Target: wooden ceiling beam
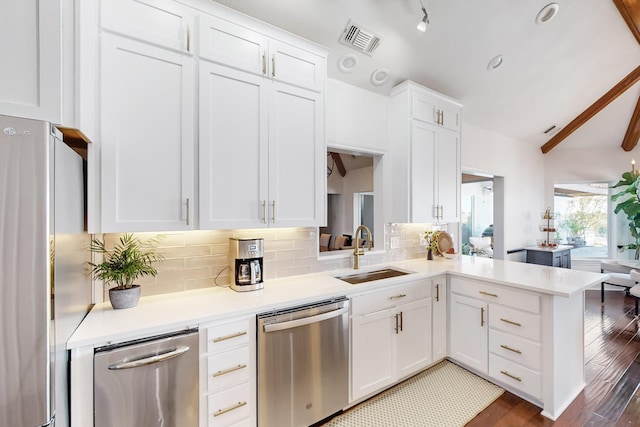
column 633, row 131
column 594, row 109
column 630, row 11
column 338, row 161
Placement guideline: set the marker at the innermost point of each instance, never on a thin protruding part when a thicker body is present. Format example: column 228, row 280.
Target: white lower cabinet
column 497, row 331
column 390, row 336
column 227, row 379
column 468, row 334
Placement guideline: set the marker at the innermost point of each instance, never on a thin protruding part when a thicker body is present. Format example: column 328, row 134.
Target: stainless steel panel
column 25, row 272
column 148, row 384
column 302, row 364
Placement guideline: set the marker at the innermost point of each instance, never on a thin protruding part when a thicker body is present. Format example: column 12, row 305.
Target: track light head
column 422, row 25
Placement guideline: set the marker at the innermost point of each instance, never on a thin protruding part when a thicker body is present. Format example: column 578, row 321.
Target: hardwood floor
column 612, row 373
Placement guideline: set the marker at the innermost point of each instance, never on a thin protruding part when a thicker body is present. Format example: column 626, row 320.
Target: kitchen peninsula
column 549, row 300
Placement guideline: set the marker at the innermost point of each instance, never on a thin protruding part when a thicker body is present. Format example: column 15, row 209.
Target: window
column 581, row 211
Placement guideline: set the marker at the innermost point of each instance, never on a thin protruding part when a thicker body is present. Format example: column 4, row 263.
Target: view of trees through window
column 581, row 211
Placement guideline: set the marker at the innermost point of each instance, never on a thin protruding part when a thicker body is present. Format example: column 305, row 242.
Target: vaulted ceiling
column 551, row 72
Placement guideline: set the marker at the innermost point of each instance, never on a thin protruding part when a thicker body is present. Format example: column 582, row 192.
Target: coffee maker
column 245, row 264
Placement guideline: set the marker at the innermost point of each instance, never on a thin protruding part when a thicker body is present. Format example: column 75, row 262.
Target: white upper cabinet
column 233, row 45
column 432, row 109
column 240, row 47
column 261, row 120
column 30, row 76
column 162, row 80
column 296, row 157
column 425, row 156
column 146, row 137
column 160, row 22
column 233, row 155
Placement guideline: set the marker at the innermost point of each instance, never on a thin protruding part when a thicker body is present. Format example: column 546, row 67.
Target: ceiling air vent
column 359, row 38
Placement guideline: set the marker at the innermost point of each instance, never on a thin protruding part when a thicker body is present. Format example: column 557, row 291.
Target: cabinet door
column 296, row 66
column 448, row 174
column 233, row 154
column 233, row 45
column 468, row 333
column 31, row 59
column 439, row 316
column 296, row 157
column 413, row 339
column 449, row 116
column 146, row 138
column 372, row 343
column 566, row 259
column 161, row 22
column 422, row 157
column 423, row 108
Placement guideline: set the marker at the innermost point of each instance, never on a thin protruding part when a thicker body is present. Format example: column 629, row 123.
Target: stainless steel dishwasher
column 148, row 383
column 303, row 363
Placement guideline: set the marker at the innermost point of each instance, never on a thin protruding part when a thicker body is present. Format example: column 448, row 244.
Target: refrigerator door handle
column 149, row 360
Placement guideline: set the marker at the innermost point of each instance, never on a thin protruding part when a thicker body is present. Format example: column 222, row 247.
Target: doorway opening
column 482, row 219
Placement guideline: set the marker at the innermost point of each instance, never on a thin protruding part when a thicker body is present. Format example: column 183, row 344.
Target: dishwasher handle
column 305, row 320
column 149, row 360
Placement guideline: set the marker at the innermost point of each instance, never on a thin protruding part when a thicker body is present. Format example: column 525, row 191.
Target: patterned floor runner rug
column 444, row 395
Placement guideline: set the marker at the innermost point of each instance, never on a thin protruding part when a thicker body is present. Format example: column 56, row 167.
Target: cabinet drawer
column 515, row 375
column 223, row 336
column 391, row 297
column 496, row 294
column 516, row 349
column 229, row 406
column 517, row 322
column 228, row 369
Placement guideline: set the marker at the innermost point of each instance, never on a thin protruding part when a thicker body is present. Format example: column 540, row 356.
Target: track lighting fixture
column 422, row 25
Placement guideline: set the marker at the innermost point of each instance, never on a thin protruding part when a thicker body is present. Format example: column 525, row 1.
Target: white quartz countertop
column 170, row 312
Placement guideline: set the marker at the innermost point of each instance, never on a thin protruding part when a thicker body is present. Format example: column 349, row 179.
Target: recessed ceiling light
column 348, row 62
column 547, row 13
column 379, row 76
column 495, row 62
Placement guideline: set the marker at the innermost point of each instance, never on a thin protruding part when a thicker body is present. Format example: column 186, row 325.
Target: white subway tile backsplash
column 194, row 259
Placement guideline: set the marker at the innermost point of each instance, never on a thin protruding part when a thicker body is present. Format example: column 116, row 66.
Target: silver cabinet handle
column 273, row 327
column 437, row 292
column 273, row 211
column 264, row 63
column 481, row 316
column 188, row 213
column 273, row 65
column 228, row 371
column 398, row 296
column 229, row 409
column 396, row 328
column 228, row 337
column 188, row 39
column 149, row 360
column 264, row 211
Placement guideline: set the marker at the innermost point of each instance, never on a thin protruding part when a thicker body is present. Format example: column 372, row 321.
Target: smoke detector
column 360, row 38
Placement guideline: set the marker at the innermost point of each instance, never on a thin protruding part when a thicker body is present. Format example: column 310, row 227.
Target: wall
column 522, row 167
column 194, row 259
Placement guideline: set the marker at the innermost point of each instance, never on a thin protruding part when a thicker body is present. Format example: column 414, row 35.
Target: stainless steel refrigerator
column 45, row 291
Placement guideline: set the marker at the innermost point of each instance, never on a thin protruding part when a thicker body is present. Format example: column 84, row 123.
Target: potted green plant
column 629, row 202
column 129, row 259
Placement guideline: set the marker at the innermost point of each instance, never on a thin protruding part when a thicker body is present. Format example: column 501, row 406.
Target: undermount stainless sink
column 370, row 276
